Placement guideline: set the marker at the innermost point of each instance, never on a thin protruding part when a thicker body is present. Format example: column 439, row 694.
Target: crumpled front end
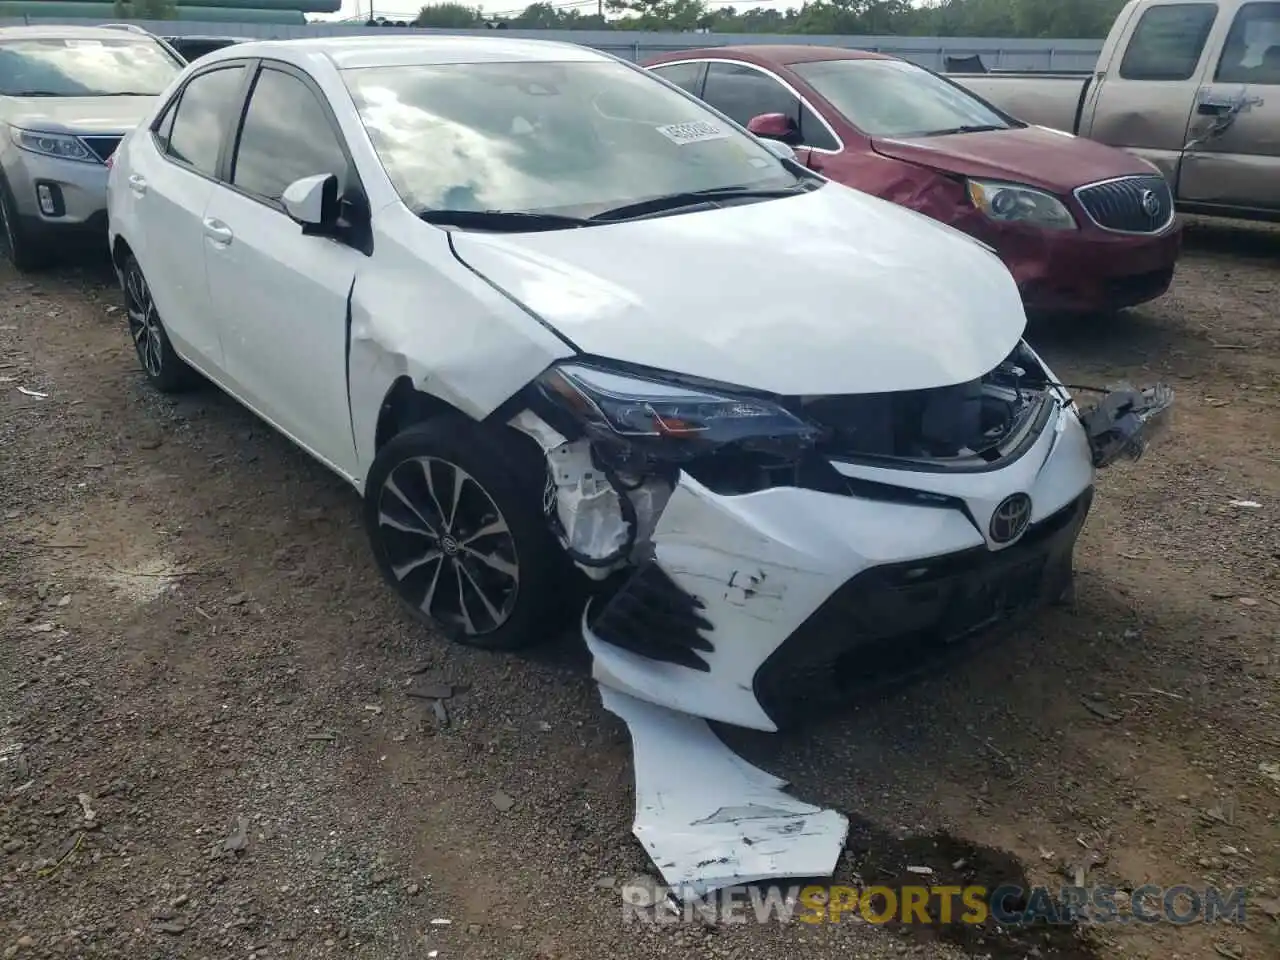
column 737, row 569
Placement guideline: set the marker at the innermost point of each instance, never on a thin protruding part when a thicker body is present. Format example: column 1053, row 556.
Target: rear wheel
column 454, row 514
column 167, row 371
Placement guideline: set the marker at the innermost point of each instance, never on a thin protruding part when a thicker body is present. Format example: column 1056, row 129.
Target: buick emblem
column 1010, row 518
column 1150, row 203
column 449, row 545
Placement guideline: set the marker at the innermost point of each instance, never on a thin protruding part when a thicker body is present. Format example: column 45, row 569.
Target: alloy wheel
column 448, row 546
column 144, row 321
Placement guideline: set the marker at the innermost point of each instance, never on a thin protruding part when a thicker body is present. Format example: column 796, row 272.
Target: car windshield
column 572, row 138
column 893, row 98
column 84, row 68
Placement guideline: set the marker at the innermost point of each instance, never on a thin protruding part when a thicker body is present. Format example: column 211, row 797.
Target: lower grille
column 1129, row 204
column 653, row 617
column 888, row 619
column 102, row 146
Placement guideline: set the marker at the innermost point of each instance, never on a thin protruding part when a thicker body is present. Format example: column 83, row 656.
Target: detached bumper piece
column 709, row 819
column 1125, row 421
column 889, row 619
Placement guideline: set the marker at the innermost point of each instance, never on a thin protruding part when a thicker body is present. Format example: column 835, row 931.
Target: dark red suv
column 1081, row 226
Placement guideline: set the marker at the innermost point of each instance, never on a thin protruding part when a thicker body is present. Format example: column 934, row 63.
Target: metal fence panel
column 996, row 53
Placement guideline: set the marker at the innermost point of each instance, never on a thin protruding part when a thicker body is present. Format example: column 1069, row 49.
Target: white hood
column 828, row 292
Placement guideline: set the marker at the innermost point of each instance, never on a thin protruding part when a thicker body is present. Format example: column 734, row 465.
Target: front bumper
column 75, row 193
column 1087, row 269
column 748, row 595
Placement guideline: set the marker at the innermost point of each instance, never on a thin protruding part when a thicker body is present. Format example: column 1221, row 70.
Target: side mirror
column 775, row 126
column 313, row 202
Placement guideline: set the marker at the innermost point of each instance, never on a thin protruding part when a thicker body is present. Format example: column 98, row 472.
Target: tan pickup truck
column 1191, row 85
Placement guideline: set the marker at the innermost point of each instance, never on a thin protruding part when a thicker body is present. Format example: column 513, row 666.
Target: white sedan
column 563, row 327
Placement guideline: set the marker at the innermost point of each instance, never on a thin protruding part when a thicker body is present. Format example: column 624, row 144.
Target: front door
column 281, row 296
column 1233, row 154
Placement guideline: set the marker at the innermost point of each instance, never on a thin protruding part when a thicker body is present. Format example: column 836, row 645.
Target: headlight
column 670, row 420
column 1012, row 203
column 60, row 145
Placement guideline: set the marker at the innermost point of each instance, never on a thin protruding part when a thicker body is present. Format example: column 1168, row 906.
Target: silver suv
column 67, row 97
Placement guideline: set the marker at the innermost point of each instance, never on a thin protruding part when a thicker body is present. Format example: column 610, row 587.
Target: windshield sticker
column 78, row 42
column 695, row 131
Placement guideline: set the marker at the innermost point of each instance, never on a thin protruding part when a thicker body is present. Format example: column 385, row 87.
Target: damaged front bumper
column 746, row 597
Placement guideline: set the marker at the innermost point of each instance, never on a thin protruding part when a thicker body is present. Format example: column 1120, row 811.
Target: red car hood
column 1037, row 156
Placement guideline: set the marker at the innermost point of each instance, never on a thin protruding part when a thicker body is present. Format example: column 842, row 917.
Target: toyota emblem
column 1150, row 203
column 1010, row 518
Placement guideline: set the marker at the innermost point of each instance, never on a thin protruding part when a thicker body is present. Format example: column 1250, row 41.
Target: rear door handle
column 218, row 232
column 138, row 184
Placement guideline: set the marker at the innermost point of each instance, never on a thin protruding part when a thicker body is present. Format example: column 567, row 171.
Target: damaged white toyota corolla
column 552, row 317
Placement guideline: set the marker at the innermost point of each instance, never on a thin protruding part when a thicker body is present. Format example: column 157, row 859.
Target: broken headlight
column 1124, row 422
column 669, row 420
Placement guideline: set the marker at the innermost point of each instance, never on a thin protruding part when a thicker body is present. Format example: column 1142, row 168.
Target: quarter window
column 287, row 135
column 743, row 92
column 202, row 118
column 1168, row 41
column 1252, row 51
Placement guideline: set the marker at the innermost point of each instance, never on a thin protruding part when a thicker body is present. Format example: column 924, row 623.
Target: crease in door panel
column 351, row 418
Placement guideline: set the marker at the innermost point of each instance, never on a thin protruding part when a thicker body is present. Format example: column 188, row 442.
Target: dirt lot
column 194, row 646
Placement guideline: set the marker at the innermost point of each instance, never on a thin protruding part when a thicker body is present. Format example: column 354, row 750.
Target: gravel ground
column 209, row 747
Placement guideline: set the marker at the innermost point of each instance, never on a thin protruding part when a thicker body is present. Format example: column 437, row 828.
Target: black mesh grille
column 1131, row 205
column 102, row 147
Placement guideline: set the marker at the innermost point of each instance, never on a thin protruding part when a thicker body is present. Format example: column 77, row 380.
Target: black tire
column 501, row 590
column 167, row 371
column 20, row 247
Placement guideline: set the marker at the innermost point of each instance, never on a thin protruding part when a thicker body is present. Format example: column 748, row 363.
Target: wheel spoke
column 428, row 601
column 497, row 526
column 388, row 521
column 490, row 609
column 404, row 569
column 139, row 328
column 459, row 478
column 495, row 562
column 431, row 490
column 395, row 491
column 462, row 598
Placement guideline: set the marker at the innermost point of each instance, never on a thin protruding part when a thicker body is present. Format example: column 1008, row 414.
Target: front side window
column 1252, row 51
column 85, row 68
column 286, row 136
column 893, row 98
column 573, row 138
column 1167, row 42
column 204, row 114
column 686, row 76
column 742, row 92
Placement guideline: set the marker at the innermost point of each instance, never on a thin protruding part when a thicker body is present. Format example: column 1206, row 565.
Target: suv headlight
column 1012, row 202
column 669, row 420
column 60, row 145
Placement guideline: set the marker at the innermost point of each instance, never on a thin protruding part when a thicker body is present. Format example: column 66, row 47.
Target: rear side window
column 203, row 115
column 1168, row 41
column 1252, row 51
column 286, row 136
column 686, row 76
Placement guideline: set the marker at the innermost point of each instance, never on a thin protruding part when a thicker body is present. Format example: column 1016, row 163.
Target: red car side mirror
column 775, row 126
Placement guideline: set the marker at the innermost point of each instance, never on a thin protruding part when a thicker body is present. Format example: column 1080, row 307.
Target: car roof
column 67, row 32
column 382, row 51
column 779, row 53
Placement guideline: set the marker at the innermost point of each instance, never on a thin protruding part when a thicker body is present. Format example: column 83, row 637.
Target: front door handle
column 218, row 232
column 138, row 184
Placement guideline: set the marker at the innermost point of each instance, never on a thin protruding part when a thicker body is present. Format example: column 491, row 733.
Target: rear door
column 1233, row 157
column 1142, row 101
column 171, row 171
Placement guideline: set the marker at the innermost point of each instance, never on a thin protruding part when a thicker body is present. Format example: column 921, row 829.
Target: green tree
column 673, row 15
column 456, row 16
column 145, row 9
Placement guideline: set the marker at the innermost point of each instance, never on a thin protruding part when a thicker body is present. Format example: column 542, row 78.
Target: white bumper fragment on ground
column 709, row 819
